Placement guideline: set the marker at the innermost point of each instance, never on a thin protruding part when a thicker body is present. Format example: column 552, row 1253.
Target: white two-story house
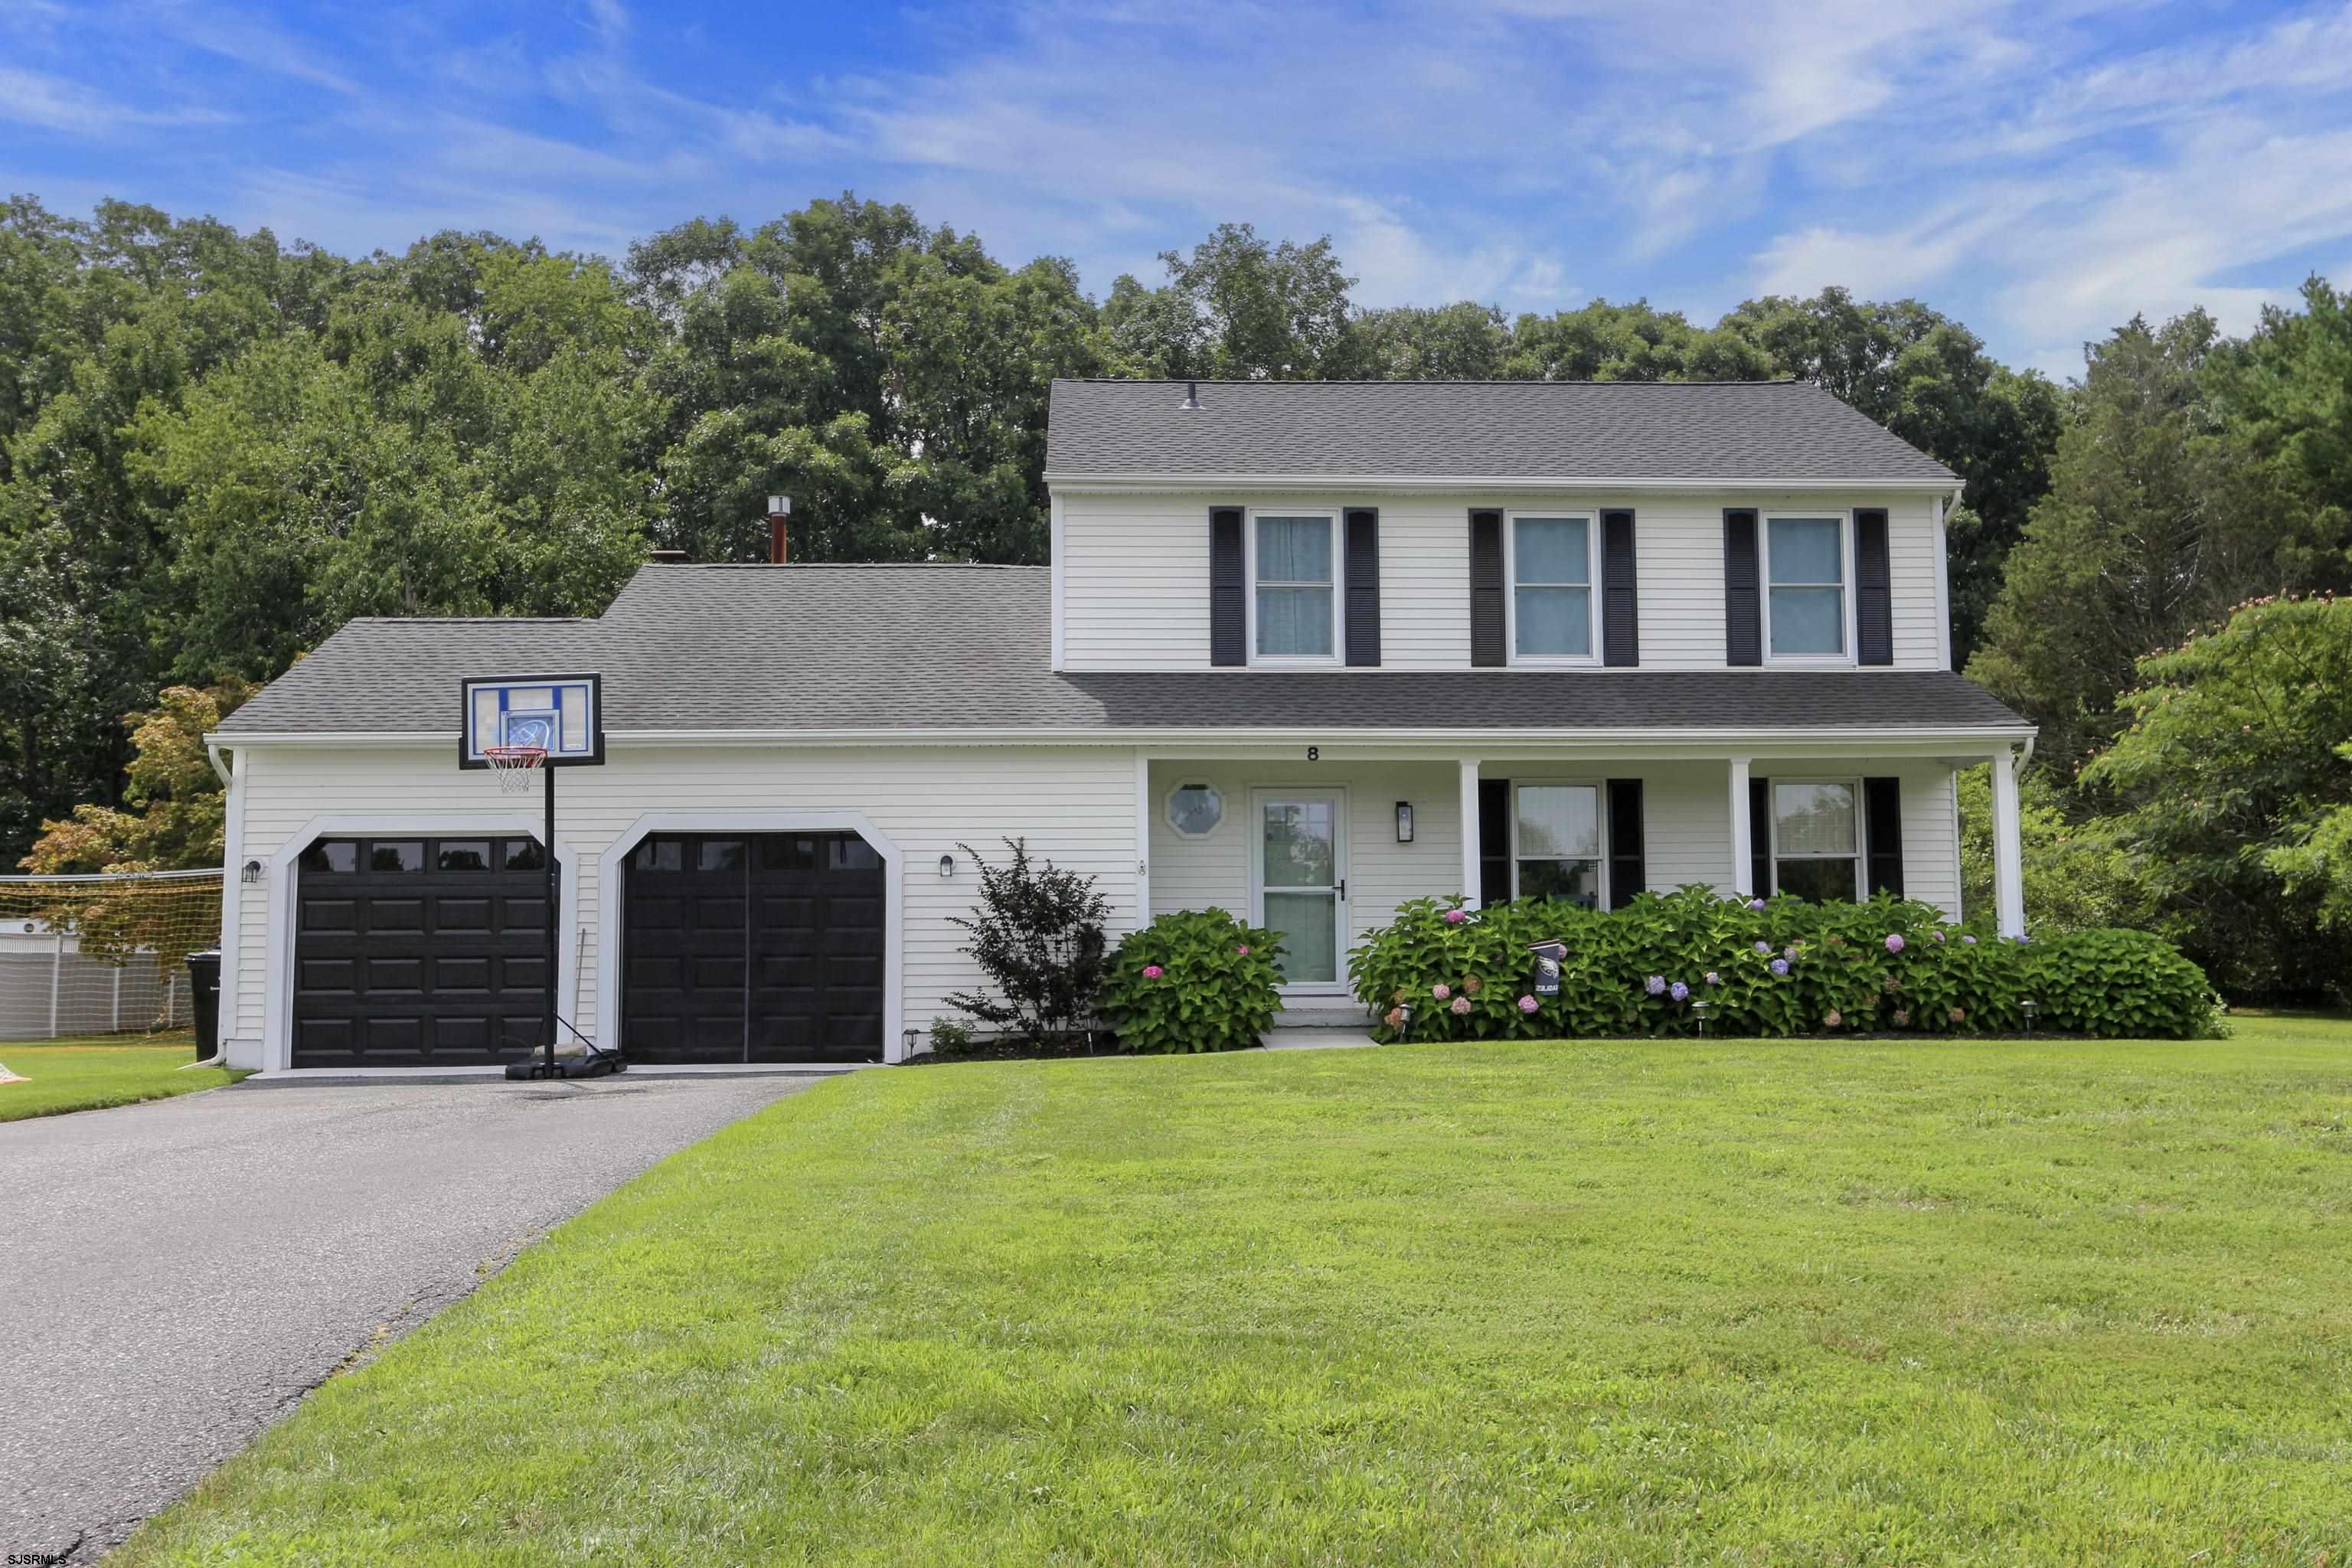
column 1303, row 651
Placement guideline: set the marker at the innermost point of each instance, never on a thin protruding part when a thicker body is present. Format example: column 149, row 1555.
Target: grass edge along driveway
column 61, row 1076
column 1630, row 1302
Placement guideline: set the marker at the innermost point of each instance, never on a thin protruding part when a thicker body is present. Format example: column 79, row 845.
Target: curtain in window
column 1560, row 820
column 1294, row 550
column 1813, row 819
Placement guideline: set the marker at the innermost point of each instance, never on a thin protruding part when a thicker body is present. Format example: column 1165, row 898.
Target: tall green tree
column 1238, row 308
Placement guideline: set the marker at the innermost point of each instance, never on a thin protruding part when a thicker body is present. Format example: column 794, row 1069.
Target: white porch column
column 1743, row 853
column 1143, row 840
column 2008, row 846
column 1470, row 833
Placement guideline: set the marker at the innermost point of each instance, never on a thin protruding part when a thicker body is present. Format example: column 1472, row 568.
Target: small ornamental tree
column 1036, row 932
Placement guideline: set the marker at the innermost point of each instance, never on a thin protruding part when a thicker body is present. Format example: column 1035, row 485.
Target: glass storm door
column 1302, row 882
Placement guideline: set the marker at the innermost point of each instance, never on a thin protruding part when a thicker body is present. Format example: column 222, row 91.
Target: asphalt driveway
column 174, row 1276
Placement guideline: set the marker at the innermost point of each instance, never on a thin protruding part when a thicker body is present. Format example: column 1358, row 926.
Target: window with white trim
column 1556, row 843
column 1550, row 567
column 1294, row 598
column 1804, row 597
column 1817, row 838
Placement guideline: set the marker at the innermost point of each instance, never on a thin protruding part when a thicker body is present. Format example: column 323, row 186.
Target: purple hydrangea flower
column 1970, row 940
column 1779, row 966
column 1763, row 947
column 1895, row 941
column 1756, row 904
column 1713, row 978
column 1152, row 971
column 1680, row 993
column 1656, row 985
column 1789, row 952
column 1529, row 1004
column 1462, row 1006
column 1938, row 935
column 1455, row 916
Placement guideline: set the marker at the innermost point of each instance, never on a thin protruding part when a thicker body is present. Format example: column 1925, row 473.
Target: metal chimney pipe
column 780, row 514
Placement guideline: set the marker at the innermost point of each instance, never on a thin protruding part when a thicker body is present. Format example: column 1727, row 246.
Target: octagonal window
column 1194, row 810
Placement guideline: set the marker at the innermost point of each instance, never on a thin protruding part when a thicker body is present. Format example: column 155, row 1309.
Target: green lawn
column 1844, row 1303
column 92, row 1074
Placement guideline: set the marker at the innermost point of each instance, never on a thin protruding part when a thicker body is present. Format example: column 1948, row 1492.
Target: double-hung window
column 1294, row 608
column 1817, row 839
column 1551, row 588
column 1556, row 843
column 1805, row 597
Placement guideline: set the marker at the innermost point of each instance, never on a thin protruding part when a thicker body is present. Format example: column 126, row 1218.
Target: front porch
column 1323, row 843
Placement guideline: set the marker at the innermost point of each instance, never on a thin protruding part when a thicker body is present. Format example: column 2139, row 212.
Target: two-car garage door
column 736, row 948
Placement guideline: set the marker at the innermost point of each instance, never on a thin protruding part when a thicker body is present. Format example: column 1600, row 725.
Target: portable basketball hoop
column 515, row 765
column 524, row 728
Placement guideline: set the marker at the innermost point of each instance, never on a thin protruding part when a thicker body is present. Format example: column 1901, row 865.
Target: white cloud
column 52, row 103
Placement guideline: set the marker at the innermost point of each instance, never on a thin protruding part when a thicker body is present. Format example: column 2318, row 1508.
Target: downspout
column 213, row 755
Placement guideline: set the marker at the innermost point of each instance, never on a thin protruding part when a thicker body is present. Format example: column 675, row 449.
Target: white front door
column 1299, row 865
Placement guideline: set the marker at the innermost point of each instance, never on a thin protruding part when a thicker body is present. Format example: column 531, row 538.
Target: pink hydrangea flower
column 1938, row 935
column 1472, row 985
column 1395, row 1020
column 1902, row 1018
column 1895, row 941
column 1152, row 971
column 1461, row 1007
column 1529, row 1004
column 1244, row 951
column 1441, row 991
column 1834, row 1019
column 1455, row 916
column 1958, row 1015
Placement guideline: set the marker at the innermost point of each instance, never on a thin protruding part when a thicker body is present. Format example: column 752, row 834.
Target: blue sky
column 2039, row 170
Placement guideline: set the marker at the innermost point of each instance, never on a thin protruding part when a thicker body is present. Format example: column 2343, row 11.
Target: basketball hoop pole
column 554, row 897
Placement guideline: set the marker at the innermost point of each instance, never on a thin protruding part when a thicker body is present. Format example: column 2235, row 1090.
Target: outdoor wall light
column 1404, row 822
column 947, row 865
column 250, row 873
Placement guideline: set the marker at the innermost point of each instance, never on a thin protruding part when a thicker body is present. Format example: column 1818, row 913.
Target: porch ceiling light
column 1404, row 822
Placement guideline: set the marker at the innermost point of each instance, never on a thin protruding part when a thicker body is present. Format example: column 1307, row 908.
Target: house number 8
column 1314, row 754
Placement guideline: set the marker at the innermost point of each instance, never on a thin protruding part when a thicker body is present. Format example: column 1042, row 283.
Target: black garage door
column 753, row 948
column 418, row 951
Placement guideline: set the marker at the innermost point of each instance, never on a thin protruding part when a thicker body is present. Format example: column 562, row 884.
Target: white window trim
column 1338, row 518
column 1861, row 831
column 1168, row 808
column 1343, row 917
column 1845, row 587
column 1600, row 789
column 1590, row 517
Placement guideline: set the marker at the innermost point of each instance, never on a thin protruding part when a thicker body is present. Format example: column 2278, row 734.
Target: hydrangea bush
column 1198, row 980
column 1765, row 967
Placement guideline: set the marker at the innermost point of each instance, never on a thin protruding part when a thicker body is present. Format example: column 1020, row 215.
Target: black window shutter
column 1882, row 818
column 1228, row 617
column 1874, row 598
column 1760, row 836
column 1621, row 629
column 1628, row 873
column 1494, row 841
column 1487, row 588
column 1743, row 624
column 1363, row 586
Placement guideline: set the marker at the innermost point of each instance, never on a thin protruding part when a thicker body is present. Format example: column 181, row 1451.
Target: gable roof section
column 906, row 650
column 1551, row 432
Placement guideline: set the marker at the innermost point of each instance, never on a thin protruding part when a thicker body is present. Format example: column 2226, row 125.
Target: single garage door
column 418, row 951
column 761, row 947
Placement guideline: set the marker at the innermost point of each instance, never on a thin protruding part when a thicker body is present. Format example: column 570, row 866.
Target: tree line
column 215, row 449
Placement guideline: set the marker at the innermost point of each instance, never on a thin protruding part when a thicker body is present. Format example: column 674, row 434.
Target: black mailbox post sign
column 1550, row 956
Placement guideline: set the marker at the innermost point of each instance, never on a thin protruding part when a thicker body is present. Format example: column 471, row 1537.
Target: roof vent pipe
column 779, row 513
column 1191, row 394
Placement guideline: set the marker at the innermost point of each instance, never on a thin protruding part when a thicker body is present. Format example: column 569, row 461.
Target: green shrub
column 1197, row 980
column 1790, row 967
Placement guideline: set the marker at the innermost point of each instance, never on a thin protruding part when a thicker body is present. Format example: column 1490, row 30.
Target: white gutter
column 1084, row 484
column 213, row 755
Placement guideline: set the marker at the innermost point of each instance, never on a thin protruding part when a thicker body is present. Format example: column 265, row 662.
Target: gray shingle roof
column 1516, row 430
column 968, row 647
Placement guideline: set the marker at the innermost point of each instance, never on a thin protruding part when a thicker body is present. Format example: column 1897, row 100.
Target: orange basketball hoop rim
column 514, row 765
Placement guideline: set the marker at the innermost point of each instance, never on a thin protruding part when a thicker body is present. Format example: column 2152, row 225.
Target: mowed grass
column 92, row 1074
column 1625, row 1303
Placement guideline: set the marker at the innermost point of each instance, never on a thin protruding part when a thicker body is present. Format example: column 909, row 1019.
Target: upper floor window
column 1816, row 839
column 1550, row 567
column 1294, row 606
column 1805, row 599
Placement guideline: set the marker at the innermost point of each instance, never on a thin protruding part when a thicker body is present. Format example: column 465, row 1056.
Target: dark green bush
column 1215, row 989
column 1440, row 972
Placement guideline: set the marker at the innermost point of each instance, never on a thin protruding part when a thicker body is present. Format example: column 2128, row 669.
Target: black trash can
column 204, row 993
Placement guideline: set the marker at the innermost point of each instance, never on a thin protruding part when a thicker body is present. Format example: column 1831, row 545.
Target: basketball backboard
column 562, row 714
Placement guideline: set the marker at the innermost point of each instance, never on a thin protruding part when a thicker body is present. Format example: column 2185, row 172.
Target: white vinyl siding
column 1135, row 569
column 1075, row 805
